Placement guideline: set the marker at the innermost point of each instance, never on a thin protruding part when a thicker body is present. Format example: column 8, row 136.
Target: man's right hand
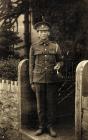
column 33, row 87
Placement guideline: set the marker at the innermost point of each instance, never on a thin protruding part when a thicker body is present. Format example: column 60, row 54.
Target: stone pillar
column 81, row 101
column 27, row 104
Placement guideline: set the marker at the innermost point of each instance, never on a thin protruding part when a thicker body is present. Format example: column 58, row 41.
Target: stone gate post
column 27, row 105
column 81, row 101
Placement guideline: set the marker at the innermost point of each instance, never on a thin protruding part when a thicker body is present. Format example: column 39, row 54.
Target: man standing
column 44, row 61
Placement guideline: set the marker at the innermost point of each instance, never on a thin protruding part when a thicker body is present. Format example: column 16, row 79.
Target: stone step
column 62, row 134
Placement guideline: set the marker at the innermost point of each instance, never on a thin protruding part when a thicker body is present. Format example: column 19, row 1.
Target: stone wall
column 9, row 123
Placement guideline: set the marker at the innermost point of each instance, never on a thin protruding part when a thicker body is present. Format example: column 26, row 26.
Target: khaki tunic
column 42, row 59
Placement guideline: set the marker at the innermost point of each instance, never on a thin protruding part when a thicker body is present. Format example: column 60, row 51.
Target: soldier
column 44, row 61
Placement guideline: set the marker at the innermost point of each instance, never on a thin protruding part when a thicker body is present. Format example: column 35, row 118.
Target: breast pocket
column 38, row 50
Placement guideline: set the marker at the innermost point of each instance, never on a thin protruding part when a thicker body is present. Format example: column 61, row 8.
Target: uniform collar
column 41, row 42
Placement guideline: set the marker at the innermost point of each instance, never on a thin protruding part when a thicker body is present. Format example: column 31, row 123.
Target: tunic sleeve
column 59, row 56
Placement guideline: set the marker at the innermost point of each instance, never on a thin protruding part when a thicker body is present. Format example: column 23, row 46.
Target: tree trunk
column 27, row 31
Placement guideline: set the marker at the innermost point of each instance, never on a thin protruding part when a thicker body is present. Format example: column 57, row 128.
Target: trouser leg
column 51, row 90
column 40, row 97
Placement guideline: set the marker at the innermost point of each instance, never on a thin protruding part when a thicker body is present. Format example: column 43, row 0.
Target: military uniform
column 44, row 55
column 43, row 58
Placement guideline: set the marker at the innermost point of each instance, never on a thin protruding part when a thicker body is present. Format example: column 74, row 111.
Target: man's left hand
column 57, row 66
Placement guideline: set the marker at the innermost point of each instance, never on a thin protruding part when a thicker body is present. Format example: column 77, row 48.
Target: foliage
column 9, row 134
column 11, row 10
column 8, row 68
column 8, row 115
column 8, row 38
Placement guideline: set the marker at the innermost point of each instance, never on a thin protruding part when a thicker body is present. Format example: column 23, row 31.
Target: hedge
column 9, row 68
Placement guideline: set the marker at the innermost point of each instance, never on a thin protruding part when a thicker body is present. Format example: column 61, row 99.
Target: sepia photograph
column 43, row 70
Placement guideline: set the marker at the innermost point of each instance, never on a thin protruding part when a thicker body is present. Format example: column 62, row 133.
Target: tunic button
column 45, row 49
column 45, row 55
column 45, row 68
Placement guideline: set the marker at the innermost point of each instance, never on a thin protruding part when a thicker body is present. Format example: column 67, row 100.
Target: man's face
column 43, row 34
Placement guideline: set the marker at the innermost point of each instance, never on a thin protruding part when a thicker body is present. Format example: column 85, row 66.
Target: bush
column 9, row 68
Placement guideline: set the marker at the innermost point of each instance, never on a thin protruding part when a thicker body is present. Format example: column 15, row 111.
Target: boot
column 52, row 132
column 39, row 132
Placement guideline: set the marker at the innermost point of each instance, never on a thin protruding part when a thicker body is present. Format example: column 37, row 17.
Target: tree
column 10, row 11
column 8, row 39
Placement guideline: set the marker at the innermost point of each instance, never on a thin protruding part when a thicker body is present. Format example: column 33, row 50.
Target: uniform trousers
column 45, row 96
